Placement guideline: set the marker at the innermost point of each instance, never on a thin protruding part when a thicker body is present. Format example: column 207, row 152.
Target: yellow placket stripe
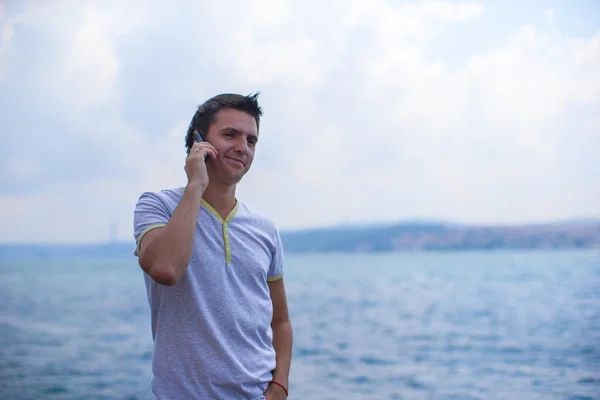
column 225, row 227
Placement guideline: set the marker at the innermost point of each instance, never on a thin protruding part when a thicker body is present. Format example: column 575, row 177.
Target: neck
column 221, row 197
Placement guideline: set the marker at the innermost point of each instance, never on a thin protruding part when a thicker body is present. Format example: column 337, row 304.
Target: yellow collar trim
column 216, row 214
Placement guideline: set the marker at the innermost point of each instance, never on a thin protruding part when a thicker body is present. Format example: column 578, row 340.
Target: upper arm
column 279, row 300
column 145, row 239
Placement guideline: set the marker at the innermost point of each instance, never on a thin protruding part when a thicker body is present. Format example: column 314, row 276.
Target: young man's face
column 234, row 134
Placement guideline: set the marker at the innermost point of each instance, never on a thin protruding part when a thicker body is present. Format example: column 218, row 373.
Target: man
column 213, row 269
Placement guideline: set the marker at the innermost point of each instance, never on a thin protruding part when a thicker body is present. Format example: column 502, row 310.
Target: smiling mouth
column 236, row 161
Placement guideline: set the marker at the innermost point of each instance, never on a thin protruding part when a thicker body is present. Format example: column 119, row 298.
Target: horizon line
column 349, row 225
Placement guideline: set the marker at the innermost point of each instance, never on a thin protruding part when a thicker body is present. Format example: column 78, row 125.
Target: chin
column 234, row 179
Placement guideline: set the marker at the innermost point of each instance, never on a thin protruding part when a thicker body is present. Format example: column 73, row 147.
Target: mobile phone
column 198, row 138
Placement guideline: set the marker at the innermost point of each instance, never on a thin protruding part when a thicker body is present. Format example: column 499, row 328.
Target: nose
column 241, row 145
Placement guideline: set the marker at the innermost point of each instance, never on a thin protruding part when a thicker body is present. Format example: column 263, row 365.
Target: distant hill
column 431, row 236
column 407, row 236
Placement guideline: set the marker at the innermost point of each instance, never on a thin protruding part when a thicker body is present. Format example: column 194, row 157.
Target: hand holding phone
column 195, row 168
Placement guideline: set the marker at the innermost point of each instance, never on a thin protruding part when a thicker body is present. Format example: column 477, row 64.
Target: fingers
column 210, row 153
column 203, row 149
column 200, row 146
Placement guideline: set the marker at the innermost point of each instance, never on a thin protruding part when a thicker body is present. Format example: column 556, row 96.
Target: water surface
column 466, row 326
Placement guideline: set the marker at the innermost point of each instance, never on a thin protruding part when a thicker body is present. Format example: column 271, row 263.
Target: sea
column 444, row 326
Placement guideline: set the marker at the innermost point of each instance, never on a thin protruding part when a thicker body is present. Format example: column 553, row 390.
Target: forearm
column 282, row 342
column 168, row 253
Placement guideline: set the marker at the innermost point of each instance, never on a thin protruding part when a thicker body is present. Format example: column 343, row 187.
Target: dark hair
column 205, row 113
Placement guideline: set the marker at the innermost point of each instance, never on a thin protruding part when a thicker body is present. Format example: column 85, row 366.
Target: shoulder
column 173, row 194
column 165, row 196
column 256, row 218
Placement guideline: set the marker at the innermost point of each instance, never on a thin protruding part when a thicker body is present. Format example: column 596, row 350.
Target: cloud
column 364, row 118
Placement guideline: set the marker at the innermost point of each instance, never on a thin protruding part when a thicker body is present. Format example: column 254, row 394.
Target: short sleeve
column 150, row 213
column 276, row 267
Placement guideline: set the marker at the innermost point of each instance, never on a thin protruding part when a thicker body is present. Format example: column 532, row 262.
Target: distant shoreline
column 446, row 237
column 400, row 237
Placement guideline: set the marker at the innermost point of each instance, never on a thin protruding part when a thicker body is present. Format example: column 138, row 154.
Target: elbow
column 163, row 274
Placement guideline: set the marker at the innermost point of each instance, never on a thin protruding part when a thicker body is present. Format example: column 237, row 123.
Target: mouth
column 237, row 161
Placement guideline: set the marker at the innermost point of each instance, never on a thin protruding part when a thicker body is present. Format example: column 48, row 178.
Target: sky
column 463, row 111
